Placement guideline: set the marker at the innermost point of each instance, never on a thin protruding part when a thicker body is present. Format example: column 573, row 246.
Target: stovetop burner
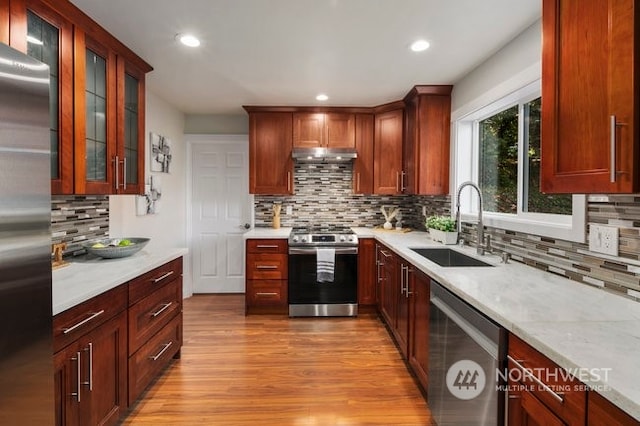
column 323, row 229
column 323, row 235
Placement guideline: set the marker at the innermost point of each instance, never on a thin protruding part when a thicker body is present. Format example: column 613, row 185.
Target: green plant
column 441, row 223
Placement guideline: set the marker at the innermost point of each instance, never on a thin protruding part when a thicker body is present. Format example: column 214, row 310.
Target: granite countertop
column 573, row 324
column 90, row 276
column 267, row 233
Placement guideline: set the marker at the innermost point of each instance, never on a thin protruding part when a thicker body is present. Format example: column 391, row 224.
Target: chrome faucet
column 480, row 249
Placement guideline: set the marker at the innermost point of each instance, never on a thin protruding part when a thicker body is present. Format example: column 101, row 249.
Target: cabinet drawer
column 267, row 266
column 150, row 314
column 266, row 293
column 81, row 319
column 147, row 283
column 563, row 394
column 153, row 356
column 267, row 246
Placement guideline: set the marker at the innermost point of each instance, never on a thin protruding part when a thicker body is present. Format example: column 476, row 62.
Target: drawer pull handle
column 162, row 277
column 79, row 382
column 161, row 310
column 266, row 294
column 557, row 396
column 266, row 267
column 267, row 246
column 384, row 253
column 163, row 350
column 83, row 322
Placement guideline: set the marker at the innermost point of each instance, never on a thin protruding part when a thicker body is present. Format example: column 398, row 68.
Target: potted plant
column 443, row 229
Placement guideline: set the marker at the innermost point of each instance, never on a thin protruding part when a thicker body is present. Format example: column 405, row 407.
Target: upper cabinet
column 4, row 21
column 270, row 145
column 317, row 129
column 97, row 98
column 387, row 160
column 426, row 140
column 589, row 97
column 363, row 164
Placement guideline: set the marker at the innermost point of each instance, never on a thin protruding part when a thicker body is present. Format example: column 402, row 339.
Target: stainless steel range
column 323, row 272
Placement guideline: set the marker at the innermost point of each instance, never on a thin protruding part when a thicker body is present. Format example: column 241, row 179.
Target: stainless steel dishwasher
column 466, row 349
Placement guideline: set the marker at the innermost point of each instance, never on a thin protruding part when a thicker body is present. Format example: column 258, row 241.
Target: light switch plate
column 289, row 210
column 603, row 239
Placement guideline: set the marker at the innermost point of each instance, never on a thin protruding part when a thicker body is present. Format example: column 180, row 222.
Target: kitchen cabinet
column 270, row 145
column 363, row 164
column 318, row 129
column 404, row 290
column 388, row 285
column 426, row 140
column 97, row 103
column 538, row 392
column 387, row 160
column 90, row 372
column 419, row 327
column 4, row 21
column 52, row 43
column 155, row 324
column 589, row 137
column 602, row 412
column 266, row 276
column 367, row 281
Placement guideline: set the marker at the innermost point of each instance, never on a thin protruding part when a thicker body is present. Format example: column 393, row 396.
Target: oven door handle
column 313, row 250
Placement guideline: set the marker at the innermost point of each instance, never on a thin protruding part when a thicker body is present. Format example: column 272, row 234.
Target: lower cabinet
column 419, row 327
column 109, row 348
column 266, row 276
column 602, row 412
column 366, row 272
column 388, row 285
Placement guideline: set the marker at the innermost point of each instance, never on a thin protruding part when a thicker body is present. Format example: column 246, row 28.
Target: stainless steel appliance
column 310, row 294
column 466, row 349
column 26, row 354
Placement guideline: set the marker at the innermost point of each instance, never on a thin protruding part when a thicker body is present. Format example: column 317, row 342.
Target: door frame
column 207, row 139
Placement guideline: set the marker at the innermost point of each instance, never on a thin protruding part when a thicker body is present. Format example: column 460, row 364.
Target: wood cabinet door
column 419, row 327
column 363, row 164
column 526, row 410
column 95, row 164
column 366, row 271
column 54, row 46
column 602, row 412
column 403, row 293
column 589, row 97
column 387, row 160
column 309, row 130
column 388, row 284
column 4, row 21
column 67, row 382
column 340, row 130
column 270, row 145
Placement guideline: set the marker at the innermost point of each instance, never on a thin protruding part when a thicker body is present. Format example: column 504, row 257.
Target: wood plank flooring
column 273, row 370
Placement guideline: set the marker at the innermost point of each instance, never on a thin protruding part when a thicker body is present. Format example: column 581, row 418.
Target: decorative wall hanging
column 160, row 151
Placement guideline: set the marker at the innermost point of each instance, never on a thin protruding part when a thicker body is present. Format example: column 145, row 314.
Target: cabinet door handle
column 266, row 294
column 124, row 173
column 78, row 372
column 288, row 181
column 116, row 163
column 161, row 310
column 83, row 322
column 163, row 350
column 612, row 143
column 90, row 381
column 266, row 246
column 398, row 181
column 407, row 272
column 358, row 182
column 378, row 274
column 556, row 395
column 266, row 267
column 402, row 185
column 162, row 277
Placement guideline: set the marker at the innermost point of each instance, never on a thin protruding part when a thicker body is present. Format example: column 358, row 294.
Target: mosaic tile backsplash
column 78, row 218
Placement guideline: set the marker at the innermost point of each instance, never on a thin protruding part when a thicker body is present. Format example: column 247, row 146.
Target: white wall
column 516, row 63
column 168, row 227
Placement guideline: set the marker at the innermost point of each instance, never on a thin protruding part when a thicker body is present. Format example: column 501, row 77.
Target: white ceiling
column 284, row 52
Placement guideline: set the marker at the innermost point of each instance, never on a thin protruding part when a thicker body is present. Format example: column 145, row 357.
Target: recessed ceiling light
column 188, row 40
column 322, row 97
column 420, row 45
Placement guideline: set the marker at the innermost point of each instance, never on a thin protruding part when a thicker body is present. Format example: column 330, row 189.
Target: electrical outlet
column 289, row 210
column 603, row 239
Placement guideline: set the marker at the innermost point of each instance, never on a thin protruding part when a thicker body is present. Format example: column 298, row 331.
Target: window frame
column 467, row 164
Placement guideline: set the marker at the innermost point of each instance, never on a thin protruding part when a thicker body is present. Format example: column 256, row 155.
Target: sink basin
column 448, row 257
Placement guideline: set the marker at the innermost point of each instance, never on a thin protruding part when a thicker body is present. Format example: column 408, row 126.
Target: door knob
column 247, row 225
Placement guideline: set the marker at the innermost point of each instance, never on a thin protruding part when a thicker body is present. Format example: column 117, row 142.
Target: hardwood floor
column 273, row 370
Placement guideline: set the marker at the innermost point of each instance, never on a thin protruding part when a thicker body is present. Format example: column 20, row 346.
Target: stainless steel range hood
column 323, row 155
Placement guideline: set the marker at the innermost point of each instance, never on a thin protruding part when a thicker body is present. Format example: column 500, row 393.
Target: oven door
column 304, row 288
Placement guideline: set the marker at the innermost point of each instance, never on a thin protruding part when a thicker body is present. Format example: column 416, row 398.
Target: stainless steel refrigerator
column 26, row 355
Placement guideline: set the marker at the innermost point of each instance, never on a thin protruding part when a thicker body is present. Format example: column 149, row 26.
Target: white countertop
column 84, row 279
column 267, row 233
column 577, row 326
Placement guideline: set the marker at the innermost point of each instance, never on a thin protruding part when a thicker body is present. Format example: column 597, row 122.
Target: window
column 498, row 147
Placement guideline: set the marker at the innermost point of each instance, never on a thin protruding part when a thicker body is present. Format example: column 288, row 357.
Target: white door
column 220, row 210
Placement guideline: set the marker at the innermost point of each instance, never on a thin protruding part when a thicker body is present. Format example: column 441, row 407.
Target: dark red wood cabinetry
column 419, row 326
column 363, row 164
column 387, row 159
column 266, row 276
column 319, row 129
column 590, row 97
column 601, row 412
column 367, row 272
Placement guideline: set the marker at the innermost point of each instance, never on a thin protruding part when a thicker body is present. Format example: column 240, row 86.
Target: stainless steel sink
column 449, row 257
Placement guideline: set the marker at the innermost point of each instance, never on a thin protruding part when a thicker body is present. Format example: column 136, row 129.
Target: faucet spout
column 480, row 242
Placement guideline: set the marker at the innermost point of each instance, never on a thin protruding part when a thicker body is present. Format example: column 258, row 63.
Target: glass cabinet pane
column 96, row 129
column 43, row 44
column 131, row 127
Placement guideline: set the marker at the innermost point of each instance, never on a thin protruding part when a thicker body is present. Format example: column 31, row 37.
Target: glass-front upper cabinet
column 45, row 35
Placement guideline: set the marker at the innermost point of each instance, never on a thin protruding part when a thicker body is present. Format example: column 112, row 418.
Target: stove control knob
column 350, row 237
column 295, row 239
column 343, row 238
column 304, row 239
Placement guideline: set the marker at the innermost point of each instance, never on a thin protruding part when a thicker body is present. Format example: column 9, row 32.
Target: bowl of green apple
column 113, row 248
